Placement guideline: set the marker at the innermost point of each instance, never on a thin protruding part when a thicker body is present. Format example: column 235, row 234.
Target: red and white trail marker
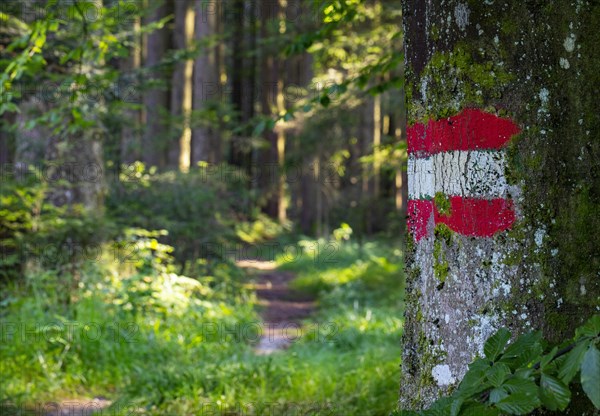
column 463, row 158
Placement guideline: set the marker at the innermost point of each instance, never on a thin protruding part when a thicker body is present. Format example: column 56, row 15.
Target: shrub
column 525, row 375
column 198, row 209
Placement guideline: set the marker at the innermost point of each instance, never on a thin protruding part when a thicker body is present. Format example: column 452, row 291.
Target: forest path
column 75, row 407
column 283, row 308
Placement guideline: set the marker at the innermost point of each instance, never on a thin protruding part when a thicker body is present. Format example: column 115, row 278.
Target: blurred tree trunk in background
column 272, row 100
column 130, row 133
column 238, row 73
column 181, row 88
column 249, row 88
column 367, row 127
column 156, row 98
column 205, row 80
column 6, row 151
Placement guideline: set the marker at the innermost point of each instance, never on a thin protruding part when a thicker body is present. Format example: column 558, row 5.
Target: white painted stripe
column 475, row 173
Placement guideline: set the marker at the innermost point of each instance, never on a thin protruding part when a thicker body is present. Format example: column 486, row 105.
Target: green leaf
column 259, row 128
column 9, row 107
column 590, row 375
column 548, row 358
column 554, row 393
column 590, row 329
column 473, row 381
column 456, row 405
column 440, row 407
column 497, row 394
column 524, row 342
column 494, row 345
column 514, row 385
column 325, row 100
column 497, row 374
column 479, row 409
column 524, row 373
column 519, row 403
column 572, row 362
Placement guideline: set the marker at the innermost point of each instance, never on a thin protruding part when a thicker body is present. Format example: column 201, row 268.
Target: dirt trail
column 283, row 308
column 75, row 407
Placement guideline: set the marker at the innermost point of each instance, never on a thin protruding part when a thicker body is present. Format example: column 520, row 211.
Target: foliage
column 199, row 209
column 167, row 344
column 519, row 377
column 259, row 230
column 128, row 313
column 34, row 231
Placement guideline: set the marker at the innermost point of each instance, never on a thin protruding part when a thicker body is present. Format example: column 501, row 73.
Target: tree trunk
column 6, row 145
column 238, row 73
column 504, row 231
column 130, row 133
column 367, row 127
column 272, row 103
column 206, row 79
column 156, row 99
column 181, row 89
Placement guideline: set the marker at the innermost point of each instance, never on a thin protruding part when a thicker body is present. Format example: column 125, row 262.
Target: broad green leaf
column 525, row 373
column 497, row 373
column 548, row 358
column 553, row 392
column 456, row 405
column 519, row 403
column 514, row 385
column 440, row 407
column 523, row 343
column 473, row 381
column 497, row 394
column 478, row 409
column 527, row 349
column 494, row 345
column 590, row 329
column 570, row 366
column 590, row 375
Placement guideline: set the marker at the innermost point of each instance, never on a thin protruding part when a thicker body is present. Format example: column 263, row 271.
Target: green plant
column 525, row 375
column 34, row 232
column 199, row 209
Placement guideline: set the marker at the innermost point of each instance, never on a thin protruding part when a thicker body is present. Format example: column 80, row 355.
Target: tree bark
column 272, row 103
column 156, row 99
column 181, row 88
column 130, row 133
column 6, row 151
column 530, row 266
column 206, row 79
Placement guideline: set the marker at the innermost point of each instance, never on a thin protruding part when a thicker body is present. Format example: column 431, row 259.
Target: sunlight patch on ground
column 256, row 264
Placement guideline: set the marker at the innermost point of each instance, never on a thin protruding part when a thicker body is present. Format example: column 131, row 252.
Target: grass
column 167, row 344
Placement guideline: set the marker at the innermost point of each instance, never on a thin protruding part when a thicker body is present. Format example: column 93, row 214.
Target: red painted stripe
column 471, row 129
column 468, row 216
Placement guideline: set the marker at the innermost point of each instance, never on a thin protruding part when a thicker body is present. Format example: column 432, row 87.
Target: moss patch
column 442, row 203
